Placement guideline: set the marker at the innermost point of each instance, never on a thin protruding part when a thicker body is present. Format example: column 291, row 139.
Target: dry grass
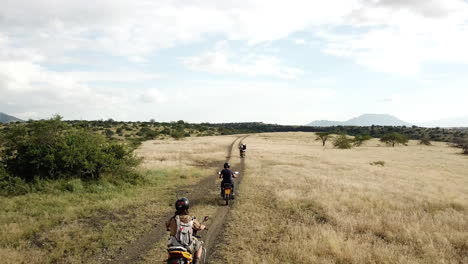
column 301, row 203
column 89, row 227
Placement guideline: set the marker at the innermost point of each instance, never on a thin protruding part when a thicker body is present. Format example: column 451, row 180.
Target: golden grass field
column 82, row 227
column 298, row 203
column 302, row 203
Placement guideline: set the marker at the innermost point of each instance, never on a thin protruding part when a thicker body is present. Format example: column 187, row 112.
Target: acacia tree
column 323, row 136
column 394, row 139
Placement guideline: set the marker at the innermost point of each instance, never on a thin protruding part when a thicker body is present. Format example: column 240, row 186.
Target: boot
column 195, row 261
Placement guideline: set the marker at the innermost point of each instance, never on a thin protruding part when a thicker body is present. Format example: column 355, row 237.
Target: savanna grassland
column 299, row 202
column 303, row 203
column 91, row 224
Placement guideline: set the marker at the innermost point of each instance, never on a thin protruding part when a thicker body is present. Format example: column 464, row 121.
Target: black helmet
column 226, row 165
column 182, row 204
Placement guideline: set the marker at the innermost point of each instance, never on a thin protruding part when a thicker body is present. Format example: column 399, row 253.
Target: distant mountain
column 447, row 122
column 4, row 118
column 364, row 120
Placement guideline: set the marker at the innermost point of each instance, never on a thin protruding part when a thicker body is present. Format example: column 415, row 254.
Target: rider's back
column 227, row 175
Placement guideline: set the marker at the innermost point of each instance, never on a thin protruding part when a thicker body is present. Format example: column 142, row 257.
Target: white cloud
column 421, row 30
column 393, row 36
column 116, row 76
column 399, row 36
column 299, row 41
column 222, row 60
column 153, row 96
column 239, row 101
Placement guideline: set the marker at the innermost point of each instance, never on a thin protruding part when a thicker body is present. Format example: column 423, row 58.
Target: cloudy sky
column 286, row 62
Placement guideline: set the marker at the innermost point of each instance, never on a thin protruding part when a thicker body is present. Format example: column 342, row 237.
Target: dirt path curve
column 135, row 251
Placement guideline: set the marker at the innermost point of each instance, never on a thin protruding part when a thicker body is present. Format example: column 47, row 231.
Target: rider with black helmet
column 228, row 177
column 180, row 220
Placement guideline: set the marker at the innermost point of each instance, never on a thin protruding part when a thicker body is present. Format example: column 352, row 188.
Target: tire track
column 136, row 251
column 217, row 226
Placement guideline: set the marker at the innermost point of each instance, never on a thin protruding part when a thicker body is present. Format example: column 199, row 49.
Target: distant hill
column 447, row 122
column 363, row 120
column 4, row 118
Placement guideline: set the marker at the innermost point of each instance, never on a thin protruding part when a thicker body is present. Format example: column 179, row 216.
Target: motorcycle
column 242, row 153
column 180, row 255
column 227, row 190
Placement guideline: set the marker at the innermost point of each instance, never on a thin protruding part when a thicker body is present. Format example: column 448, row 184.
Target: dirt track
column 135, row 251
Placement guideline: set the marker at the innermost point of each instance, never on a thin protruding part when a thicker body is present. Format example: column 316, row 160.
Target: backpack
column 184, row 232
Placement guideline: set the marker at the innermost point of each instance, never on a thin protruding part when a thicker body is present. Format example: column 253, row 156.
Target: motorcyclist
column 242, row 149
column 181, row 219
column 228, row 177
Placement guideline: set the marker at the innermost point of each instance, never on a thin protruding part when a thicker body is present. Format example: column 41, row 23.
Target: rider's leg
column 233, row 193
column 198, row 251
column 198, row 254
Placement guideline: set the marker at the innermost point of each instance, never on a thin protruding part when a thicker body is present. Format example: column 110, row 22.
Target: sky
column 284, row 62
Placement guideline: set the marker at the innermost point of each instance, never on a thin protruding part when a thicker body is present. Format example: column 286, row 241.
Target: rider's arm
column 197, row 225
column 168, row 224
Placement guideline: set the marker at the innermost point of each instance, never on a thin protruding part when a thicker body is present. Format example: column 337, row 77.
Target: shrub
column 425, row 140
column 360, row 139
column 342, row 142
column 119, row 131
column 51, row 149
column 462, row 144
column 147, row 133
column 380, row 162
column 10, row 185
column 109, row 133
column 178, row 133
column 394, row 139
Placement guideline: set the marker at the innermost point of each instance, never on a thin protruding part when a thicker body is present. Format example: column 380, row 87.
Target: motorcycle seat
column 176, row 248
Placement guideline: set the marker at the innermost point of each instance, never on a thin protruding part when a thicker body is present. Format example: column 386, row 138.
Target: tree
column 394, row 139
column 52, row 149
column 360, row 139
column 323, row 136
column 342, row 142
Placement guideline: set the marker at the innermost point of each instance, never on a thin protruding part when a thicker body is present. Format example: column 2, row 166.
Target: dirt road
column 136, row 251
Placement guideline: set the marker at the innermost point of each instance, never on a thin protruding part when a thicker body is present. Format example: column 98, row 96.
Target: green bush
column 342, row 142
column 109, row 133
column 178, row 133
column 10, row 185
column 394, row 139
column 360, row 139
column 51, row 149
